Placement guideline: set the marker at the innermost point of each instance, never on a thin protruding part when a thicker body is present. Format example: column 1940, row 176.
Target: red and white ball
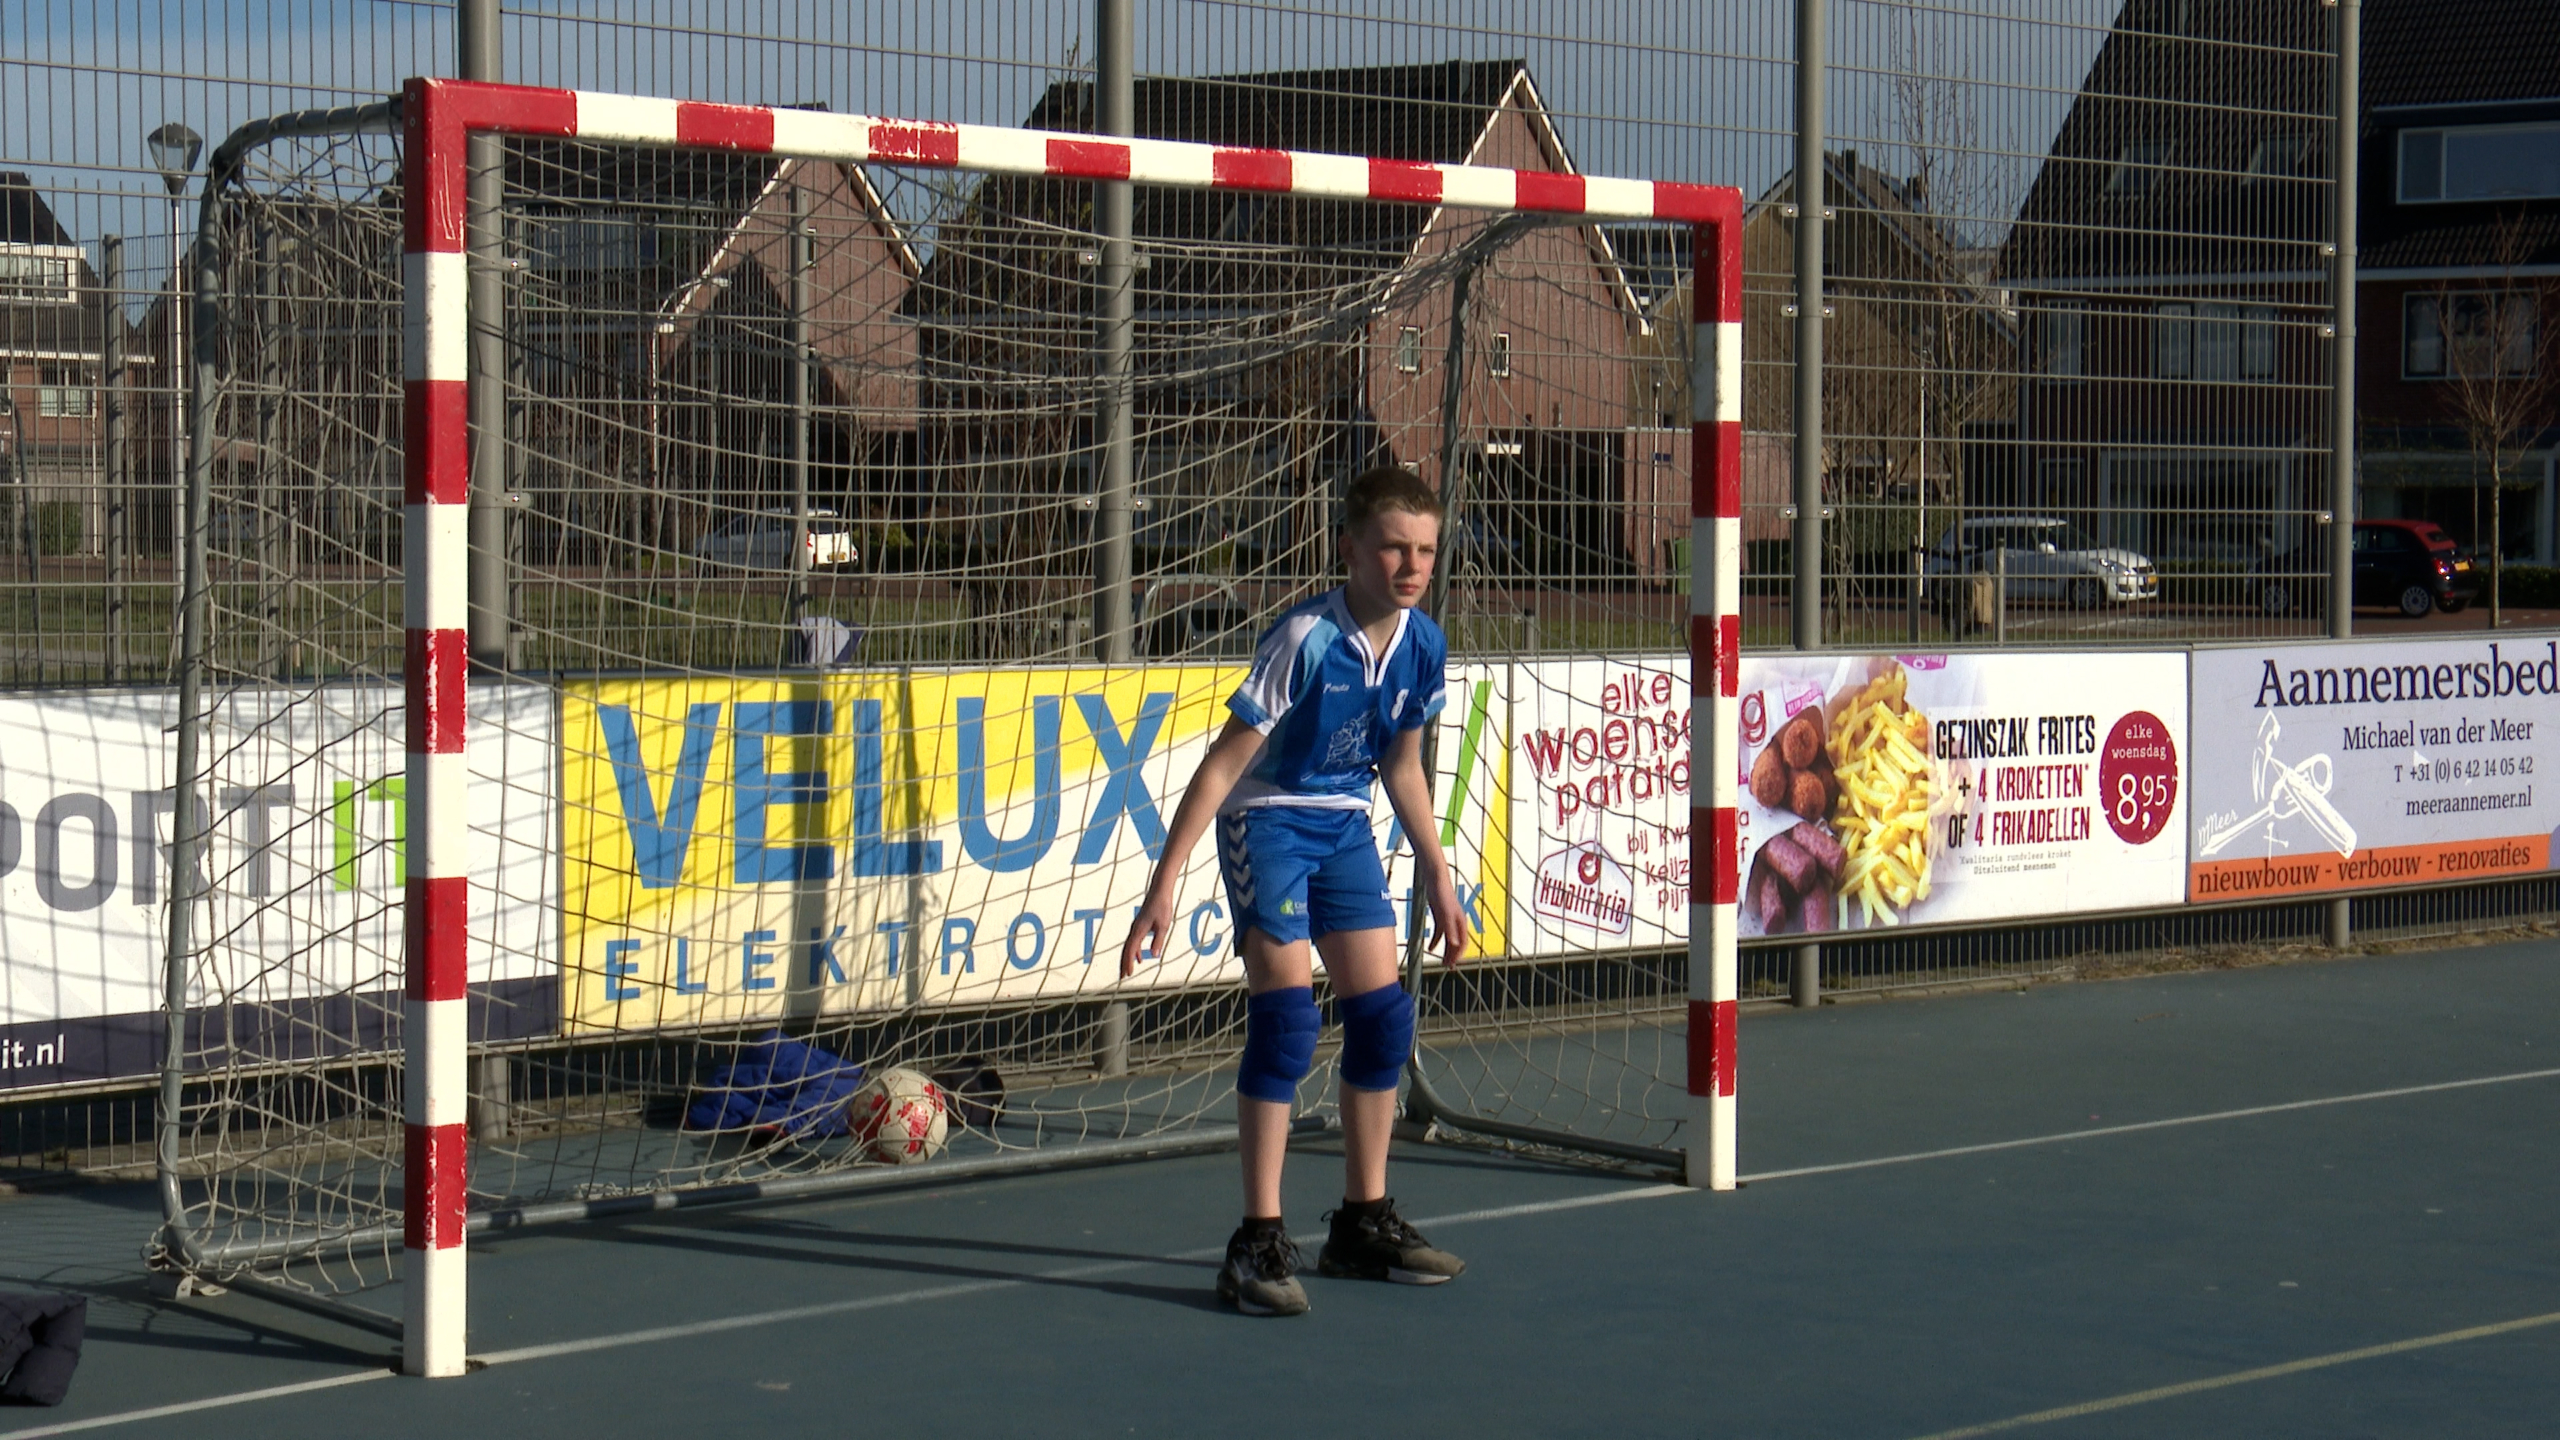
column 899, row 1116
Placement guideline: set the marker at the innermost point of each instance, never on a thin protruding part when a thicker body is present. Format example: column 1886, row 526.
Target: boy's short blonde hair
column 1385, row 488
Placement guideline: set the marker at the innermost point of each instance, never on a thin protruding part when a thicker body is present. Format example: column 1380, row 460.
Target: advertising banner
column 745, row 849
column 1599, row 840
column 307, row 794
column 1936, row 789
column 1472, row 792
column 2348, row 767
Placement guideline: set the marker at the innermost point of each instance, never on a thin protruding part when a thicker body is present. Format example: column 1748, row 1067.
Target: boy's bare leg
column 1359, row 961
column 1262, row 1126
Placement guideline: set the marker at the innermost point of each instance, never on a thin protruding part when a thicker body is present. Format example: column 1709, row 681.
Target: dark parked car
column 2410, row 565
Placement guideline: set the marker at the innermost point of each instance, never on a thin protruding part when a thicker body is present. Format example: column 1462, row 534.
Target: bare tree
column 1961, row 338
column 2502, row 374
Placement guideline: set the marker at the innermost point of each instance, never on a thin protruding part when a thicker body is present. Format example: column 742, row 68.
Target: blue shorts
column 1296, row 871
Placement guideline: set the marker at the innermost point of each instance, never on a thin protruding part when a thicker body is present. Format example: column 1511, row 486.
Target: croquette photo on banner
column 1882, row 790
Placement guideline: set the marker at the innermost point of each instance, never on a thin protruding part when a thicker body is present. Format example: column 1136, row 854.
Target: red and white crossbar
column 438, row 117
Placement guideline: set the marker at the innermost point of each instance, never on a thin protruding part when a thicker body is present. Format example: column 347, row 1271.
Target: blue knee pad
column 1377, row 1037
column 1280, row 1029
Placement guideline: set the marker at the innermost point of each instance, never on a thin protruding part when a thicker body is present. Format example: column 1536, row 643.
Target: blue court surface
column 2307, row 1200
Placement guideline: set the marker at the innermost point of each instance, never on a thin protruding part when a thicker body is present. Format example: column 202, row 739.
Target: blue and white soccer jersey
column 1293, row 837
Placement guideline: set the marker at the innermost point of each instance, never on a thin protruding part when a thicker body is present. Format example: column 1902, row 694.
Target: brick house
column 2169, row 270
column 2171, row 263
column 1244, row 454
column 1919, row 357
column 2460, row 262
column 53, row 330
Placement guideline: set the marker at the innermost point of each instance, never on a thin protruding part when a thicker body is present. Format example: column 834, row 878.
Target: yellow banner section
column 738, row 849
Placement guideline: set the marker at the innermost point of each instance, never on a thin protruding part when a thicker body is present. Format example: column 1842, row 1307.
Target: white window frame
column 2064, row 352
column 1497, row 357
column 60, row 261
column 2412, row 328
column 2258, row 342
column 1408, row 356
column 2137, row 168
column 2285, row 155
column 2217, row 341
column 2173, row 341
column 2428, row 158
column 63, row 392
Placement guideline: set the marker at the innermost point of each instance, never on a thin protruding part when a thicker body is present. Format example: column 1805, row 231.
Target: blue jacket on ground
column 781, row 1083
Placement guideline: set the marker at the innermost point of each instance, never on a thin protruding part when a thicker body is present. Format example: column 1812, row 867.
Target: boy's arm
column 1230, row 755
column 1410, row 794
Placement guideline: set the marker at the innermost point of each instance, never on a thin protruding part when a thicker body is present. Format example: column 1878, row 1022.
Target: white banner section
column 1931, row 789
column 307, row 796
column 1600, row 803
column 2354, row 767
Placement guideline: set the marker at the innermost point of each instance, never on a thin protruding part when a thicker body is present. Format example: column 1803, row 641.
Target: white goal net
column 841, row 658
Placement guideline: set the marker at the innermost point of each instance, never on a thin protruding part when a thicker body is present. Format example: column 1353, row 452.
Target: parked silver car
column 763, row 542
column 2048, row 559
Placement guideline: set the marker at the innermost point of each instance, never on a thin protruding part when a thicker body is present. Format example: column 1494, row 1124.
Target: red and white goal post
column 440, row 116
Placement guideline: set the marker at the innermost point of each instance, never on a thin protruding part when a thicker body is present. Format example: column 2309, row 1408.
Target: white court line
column 979, row 1287
column 189, row 1407
column 2245, row 1377
column 2069, row 1135
column 803, row 1312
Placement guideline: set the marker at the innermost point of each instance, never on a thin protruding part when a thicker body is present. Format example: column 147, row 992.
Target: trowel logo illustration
column 2285, row 792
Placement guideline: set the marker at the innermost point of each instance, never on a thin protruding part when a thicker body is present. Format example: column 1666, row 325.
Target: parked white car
column 763, row 542
column 2048, row 559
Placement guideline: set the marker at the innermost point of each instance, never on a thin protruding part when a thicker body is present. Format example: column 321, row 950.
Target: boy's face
column 1391, row 555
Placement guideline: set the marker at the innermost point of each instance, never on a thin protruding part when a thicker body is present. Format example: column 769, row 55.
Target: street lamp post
column 174, row 149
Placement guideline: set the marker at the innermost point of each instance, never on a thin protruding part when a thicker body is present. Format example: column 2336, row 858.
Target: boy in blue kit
column 1338, row 694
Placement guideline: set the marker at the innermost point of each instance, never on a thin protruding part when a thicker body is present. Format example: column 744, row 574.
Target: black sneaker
column 1382, row 1246
column 1261, row 1273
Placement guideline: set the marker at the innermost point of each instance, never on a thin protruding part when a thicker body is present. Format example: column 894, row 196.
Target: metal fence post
column 1115, row 97
column 1811, row 207
column 2343, row 149
column 117, row 396
column 796, row 605
column 479, row 49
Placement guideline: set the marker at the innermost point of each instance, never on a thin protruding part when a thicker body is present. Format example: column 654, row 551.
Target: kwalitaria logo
column 1583, row 886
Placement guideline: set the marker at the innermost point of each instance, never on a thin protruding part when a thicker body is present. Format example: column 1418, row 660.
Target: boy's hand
column 1148, row 933
column 1449, row 919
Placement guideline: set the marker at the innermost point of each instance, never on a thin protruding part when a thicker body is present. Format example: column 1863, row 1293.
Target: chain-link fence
column 2072, row 277
column 2076, row 389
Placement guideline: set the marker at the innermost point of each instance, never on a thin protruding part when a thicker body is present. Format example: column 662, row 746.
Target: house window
column 2257, row 342
column 1409, row 349
column 2173, row 342
column 2217, row 342
column 2066, row 335
column 2468, row 333
column 2137, row 167
column 2279, row 157
column 37, row 272
column 65, row 392
column 2480, row 162
column 606, row 242
column 1497, row 362
column 2214, row 341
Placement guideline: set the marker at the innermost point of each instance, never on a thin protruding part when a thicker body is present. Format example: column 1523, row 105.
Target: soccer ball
column 898, row 1116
